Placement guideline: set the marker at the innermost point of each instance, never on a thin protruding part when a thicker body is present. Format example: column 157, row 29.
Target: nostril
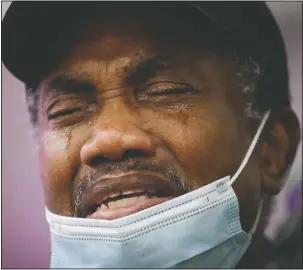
column 134, row 154
column 97, row 160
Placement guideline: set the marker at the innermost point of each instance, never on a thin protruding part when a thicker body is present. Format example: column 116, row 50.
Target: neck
column 255, row 256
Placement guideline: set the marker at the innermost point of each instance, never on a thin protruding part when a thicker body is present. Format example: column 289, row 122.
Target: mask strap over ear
column 256, row 222
column 251, row 147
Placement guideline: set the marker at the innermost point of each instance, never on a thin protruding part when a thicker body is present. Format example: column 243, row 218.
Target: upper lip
column 99, row 190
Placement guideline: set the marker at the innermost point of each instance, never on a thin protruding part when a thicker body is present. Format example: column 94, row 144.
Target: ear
column 281, row 139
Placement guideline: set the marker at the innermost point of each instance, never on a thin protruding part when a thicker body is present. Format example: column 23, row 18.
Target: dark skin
column 184, row 110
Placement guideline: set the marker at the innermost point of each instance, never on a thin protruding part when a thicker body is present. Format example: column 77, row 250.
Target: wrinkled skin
column 201, row 132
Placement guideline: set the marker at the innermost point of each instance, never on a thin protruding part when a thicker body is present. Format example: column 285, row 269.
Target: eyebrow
column 136, row 72
column 146, row 68
column 71, row 82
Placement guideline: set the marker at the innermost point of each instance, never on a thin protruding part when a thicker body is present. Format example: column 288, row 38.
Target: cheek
column 204, row 141
column 60, row 159
column 209, row 145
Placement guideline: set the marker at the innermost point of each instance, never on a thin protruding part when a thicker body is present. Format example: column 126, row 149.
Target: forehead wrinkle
column 126, row 62
column 122, row 67
column 80, row 75
column 79, row 70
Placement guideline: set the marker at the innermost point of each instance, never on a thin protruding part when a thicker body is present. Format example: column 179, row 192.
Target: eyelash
column 172, row 91
column 62, row 113
column 158, row 89
column 64, row 106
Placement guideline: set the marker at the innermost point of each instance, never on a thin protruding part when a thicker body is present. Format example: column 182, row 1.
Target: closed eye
column 174, row 91
column 62, row 113
column 167, row 88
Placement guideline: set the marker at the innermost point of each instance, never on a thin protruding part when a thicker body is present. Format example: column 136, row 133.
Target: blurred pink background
column 25, row 235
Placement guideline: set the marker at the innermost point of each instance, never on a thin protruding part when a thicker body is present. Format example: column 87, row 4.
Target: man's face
column 129, row 113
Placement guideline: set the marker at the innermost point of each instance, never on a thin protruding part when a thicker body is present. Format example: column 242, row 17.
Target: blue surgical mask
column 200, row 229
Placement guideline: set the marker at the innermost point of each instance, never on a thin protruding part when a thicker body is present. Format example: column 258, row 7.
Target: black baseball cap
column 30, row 28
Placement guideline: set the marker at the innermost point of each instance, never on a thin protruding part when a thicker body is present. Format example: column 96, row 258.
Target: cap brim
column 29, row 28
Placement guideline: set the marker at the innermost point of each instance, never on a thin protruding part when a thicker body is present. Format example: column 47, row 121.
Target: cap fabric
column 29, row 30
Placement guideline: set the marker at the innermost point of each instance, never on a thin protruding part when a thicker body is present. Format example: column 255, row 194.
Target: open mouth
column 126, row 203
column 114, row 198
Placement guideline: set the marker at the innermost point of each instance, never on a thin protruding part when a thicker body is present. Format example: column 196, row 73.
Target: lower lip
column 110, row 214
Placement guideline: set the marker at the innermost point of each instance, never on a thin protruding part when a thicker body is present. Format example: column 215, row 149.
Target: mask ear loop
column 256, row 222
column 245, row 160
column 251, row 148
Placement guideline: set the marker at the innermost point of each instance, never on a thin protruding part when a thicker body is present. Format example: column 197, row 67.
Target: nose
column 115, row 140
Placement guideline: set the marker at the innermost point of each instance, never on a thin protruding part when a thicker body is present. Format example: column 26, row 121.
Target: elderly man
column 164, row 128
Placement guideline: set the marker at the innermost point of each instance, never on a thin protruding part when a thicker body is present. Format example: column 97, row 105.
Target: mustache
column 162, row 168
